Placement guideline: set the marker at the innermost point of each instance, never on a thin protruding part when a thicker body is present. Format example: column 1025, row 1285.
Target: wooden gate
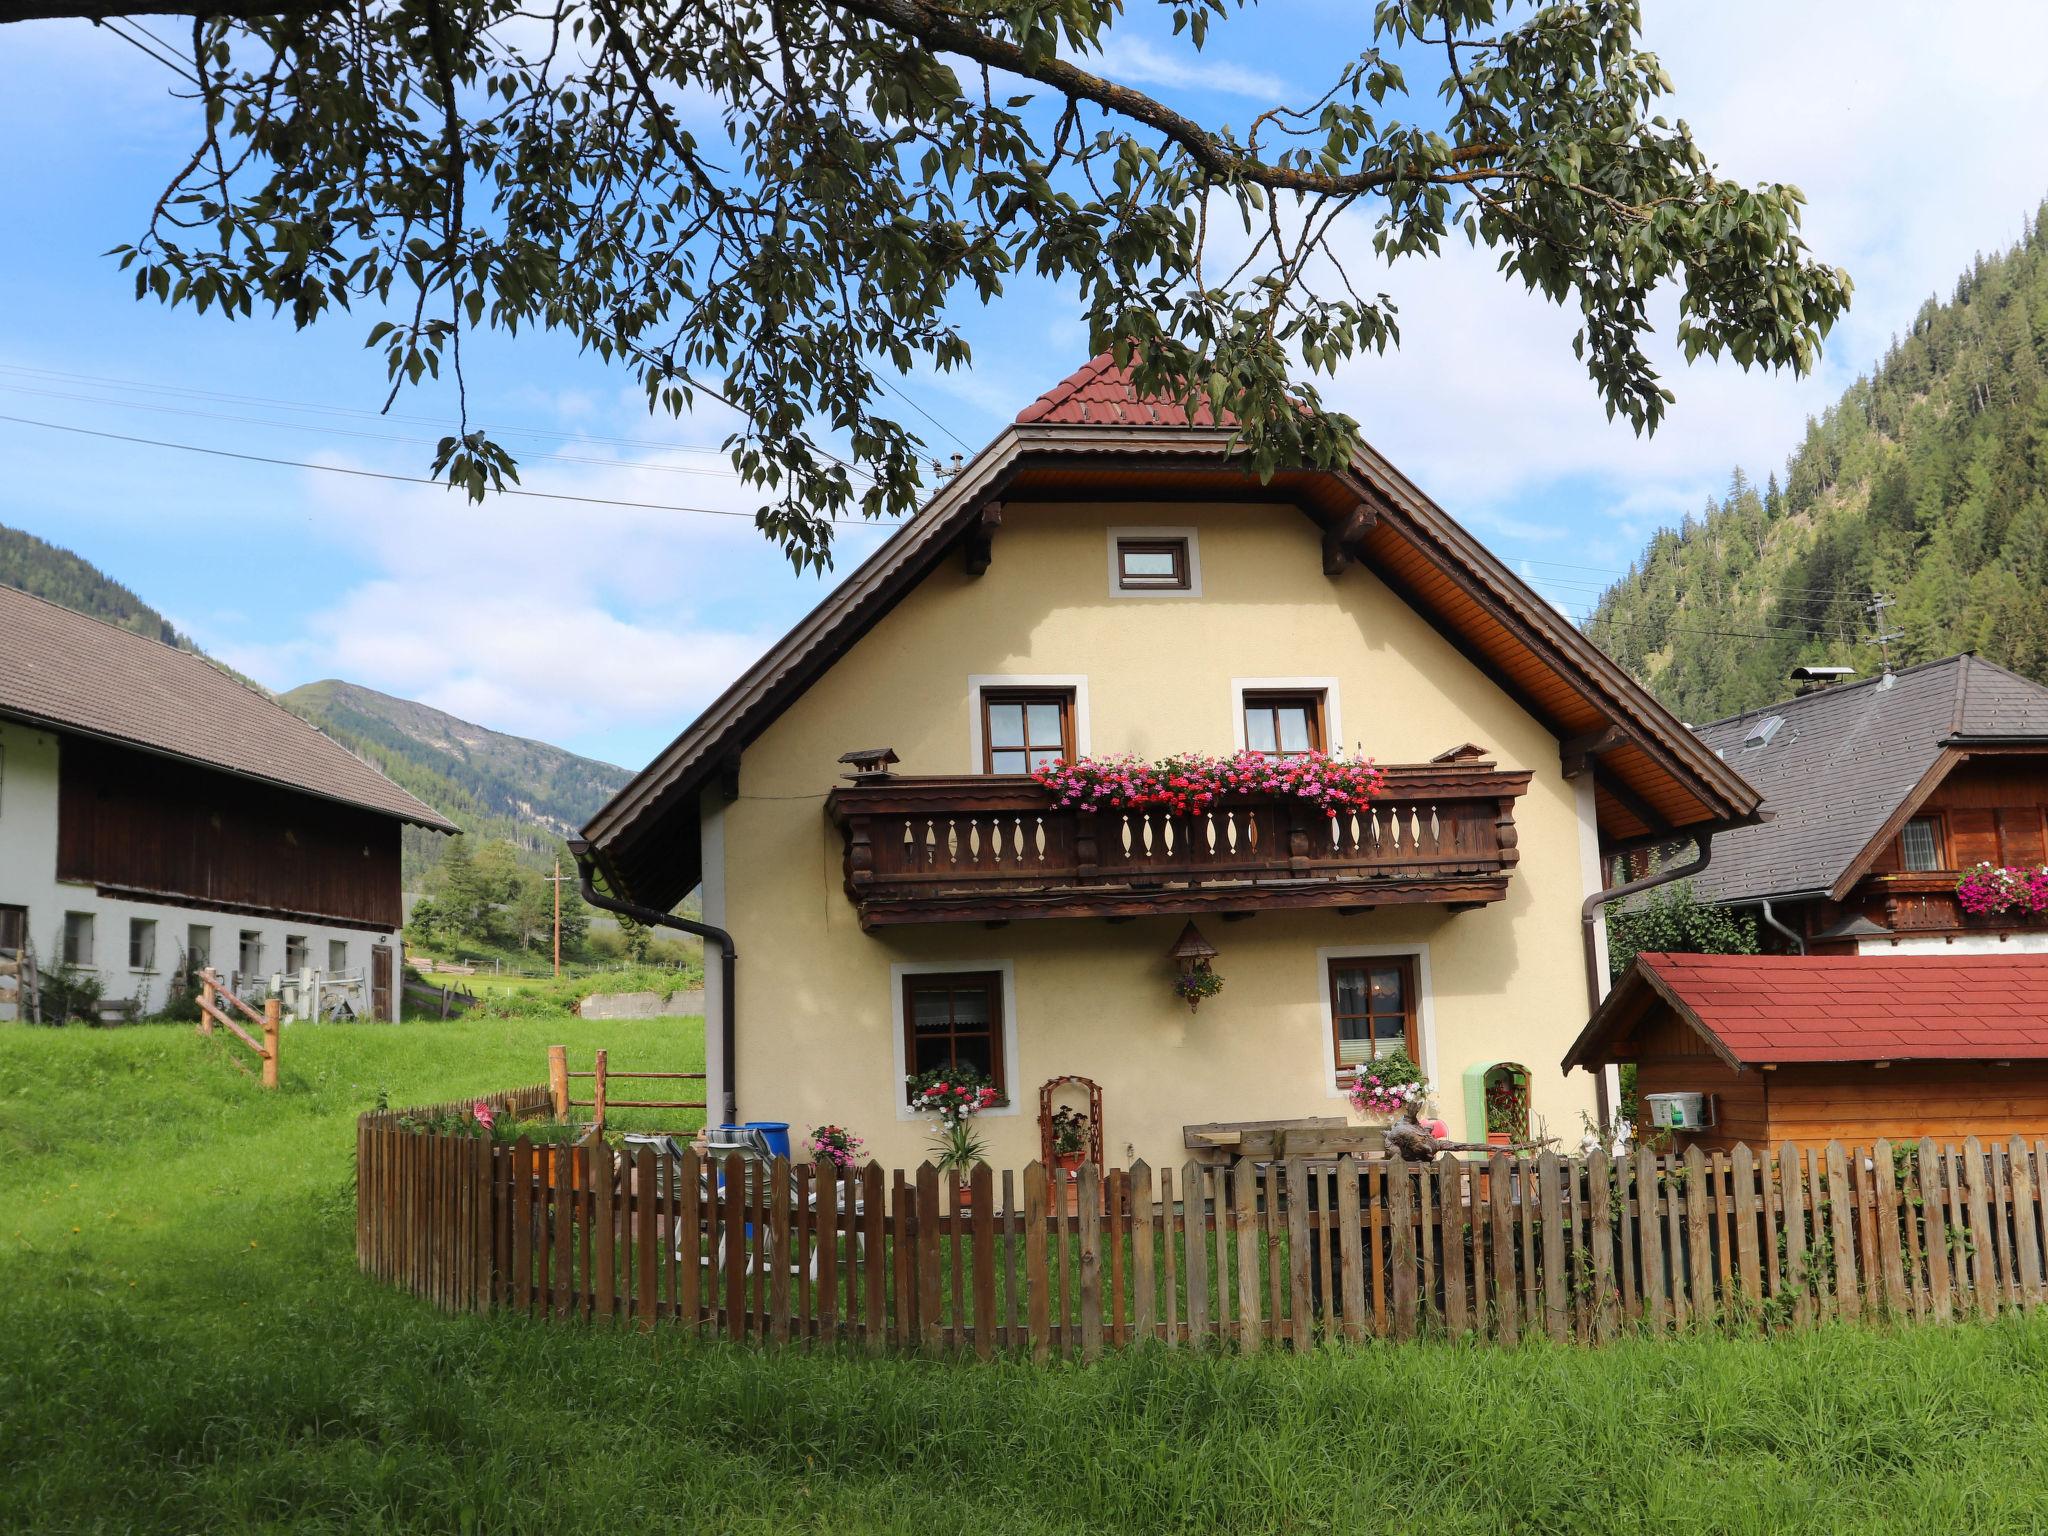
column 381, row 1002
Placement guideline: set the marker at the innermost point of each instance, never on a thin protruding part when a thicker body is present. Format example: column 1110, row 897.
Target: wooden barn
column 1817, row 1048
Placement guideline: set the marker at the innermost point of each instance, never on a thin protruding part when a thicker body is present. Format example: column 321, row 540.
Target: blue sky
column 607, row 628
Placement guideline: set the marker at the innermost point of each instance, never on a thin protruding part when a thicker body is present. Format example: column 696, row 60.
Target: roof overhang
column 1654, row 777
column 1632, row 998
column 432, row 820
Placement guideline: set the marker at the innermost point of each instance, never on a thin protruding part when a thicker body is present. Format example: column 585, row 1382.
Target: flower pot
column 1500, row 1138
column 1067, row 1162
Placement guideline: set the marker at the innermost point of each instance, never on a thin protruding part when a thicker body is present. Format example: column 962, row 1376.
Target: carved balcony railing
column 1926, row 902
column 994, row 847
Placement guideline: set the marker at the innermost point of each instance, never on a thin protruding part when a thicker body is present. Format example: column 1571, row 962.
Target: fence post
column 209, row 999
column 271, row 1010
column 558, row 1080
column 598, row 1095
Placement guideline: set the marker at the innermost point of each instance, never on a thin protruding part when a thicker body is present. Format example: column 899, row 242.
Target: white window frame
column 133, row 924
column 204, row 962
column 1333, row 715
column 980, row 682
column 1425, row 1004
column 92, row 938
column 1194, row 586
column 332, row 968
column 1011, row 1072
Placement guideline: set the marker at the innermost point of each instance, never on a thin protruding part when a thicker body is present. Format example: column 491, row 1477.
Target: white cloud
column 1132, row 60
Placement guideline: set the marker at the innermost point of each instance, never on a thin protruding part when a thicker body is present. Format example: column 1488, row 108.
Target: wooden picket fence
column 1286, row 1253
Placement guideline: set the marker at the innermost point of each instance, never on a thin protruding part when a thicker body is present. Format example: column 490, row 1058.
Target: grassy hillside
column 494, row 786
column 38, row 567
column 190, row 1348
column 1927, row 484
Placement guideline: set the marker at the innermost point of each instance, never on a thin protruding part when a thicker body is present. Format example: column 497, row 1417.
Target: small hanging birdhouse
column 1194, row 980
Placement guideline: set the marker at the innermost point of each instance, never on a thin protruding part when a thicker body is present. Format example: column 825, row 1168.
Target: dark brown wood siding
column 136, row 822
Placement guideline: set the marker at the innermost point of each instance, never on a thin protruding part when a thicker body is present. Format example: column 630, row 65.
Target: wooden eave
column 1452, row 581
column 1955, row 751
column 1622, row 1012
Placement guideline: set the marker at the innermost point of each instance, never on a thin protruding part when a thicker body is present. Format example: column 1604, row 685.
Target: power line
column 378, row 474
column 135, row 42
column 883, row 380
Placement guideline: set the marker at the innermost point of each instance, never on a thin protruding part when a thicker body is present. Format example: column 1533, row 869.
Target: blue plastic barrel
column 776, row 1133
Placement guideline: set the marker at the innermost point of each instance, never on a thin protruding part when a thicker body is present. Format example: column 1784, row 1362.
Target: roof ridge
column 1835, row 692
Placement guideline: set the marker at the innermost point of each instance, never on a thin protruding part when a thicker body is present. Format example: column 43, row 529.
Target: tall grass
column 188, row 1347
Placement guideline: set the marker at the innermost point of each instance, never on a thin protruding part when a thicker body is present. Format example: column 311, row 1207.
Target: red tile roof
column 1791, row 1008
column 1099, row 393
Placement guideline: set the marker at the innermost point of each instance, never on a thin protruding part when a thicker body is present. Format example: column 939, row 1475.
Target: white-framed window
column 1270, row 707
column 965, row 1001
column 983, row 690
column 1155, row 562
column 249, row 953
column 78, row 938
column 198, row 946
column 1352, row 969
column 294, row 953
column 337, row 955
column 141, row 944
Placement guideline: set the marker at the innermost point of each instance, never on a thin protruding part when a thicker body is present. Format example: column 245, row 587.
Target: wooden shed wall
column 1854, row 1102
column 1672, row 1058
column 136, row 822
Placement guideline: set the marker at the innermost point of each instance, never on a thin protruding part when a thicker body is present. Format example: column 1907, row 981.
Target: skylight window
column 1761, row 733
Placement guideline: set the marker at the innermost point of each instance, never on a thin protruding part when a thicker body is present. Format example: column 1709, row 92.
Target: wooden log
column 273, row 1037
column 558, row 1081
column 1037, row 1279
column 1144, row 1237
column 1195, row 1244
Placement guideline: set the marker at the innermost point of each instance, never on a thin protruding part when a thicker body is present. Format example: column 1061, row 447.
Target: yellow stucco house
column 1103, row 579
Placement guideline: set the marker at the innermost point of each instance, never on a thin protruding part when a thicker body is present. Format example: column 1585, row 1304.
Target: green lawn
column 189, row 1348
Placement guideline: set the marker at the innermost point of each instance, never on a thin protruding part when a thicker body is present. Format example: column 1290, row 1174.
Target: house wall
column 30, row 779
column 817, row 1029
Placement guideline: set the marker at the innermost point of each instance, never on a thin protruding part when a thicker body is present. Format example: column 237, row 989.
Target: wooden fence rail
column 215, row 999
column 1289, row 1254
column 601, row 1102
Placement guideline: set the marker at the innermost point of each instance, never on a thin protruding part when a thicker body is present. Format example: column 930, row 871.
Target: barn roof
column 1091, row 437
column 1842, row 762
column 73, row 673
column 1779, row 1009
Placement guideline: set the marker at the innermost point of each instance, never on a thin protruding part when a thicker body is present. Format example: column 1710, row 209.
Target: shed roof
column 1845, row 759
column 1778, row 1009
column 73, row 673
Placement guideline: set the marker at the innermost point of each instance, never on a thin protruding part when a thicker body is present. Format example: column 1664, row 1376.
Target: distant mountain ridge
column 493, row 785
column 1915, row 508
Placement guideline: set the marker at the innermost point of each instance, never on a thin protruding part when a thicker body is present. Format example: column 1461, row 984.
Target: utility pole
column 556, row 881
column 1882, row 640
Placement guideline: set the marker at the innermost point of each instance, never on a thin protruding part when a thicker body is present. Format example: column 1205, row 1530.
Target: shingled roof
column 1100, row 393
column 64, row 670
column 1843, row 761
column 1765, row 1009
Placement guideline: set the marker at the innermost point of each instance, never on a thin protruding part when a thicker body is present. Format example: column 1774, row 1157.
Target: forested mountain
column 40, row 568
column 496, row 786
column 1925, row 484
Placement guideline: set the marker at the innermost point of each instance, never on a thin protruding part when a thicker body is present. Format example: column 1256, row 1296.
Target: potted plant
column 953, row 1096
column 1391, row 1086
column 1196, row 983
column 1507, row 1110
column 836, row 1145
column 1069, row 1139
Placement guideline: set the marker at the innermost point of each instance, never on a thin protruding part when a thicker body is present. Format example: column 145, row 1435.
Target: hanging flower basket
column 1196, row 983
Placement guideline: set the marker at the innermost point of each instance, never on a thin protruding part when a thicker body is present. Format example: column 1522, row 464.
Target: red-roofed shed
column 1818, row 1048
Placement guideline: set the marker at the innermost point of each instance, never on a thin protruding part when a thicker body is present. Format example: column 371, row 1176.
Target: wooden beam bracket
column 979, row 550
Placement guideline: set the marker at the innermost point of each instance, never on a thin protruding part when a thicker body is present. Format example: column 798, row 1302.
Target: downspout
column 728, row 957
column 1589, row 914
column 1771, row 921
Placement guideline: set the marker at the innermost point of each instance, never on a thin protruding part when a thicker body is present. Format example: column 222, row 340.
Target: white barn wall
column 28, row 868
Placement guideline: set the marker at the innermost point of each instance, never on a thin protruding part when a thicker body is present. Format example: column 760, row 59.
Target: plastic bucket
column 775, row 1132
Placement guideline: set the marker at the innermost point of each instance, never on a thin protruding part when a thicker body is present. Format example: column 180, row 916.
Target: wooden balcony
column 1925, row 902
column 991, row 848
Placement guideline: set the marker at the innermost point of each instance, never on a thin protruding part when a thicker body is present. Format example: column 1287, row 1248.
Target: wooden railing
column 601, row 1103
column 1925, row 901
column 986, row 848
column 212, row 994
column 1288, row 1253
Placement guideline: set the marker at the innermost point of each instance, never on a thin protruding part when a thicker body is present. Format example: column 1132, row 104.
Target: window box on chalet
column 990, row 847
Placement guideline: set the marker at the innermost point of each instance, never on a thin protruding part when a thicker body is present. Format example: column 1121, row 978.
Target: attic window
column 1761, row 733
column 1152, row 565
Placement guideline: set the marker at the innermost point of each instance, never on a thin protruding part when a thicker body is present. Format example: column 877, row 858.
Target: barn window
column 294, row 953
column 251, row 955
column 337, row 954
column 141, row 944
column 78, row 938
column 198, row 946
